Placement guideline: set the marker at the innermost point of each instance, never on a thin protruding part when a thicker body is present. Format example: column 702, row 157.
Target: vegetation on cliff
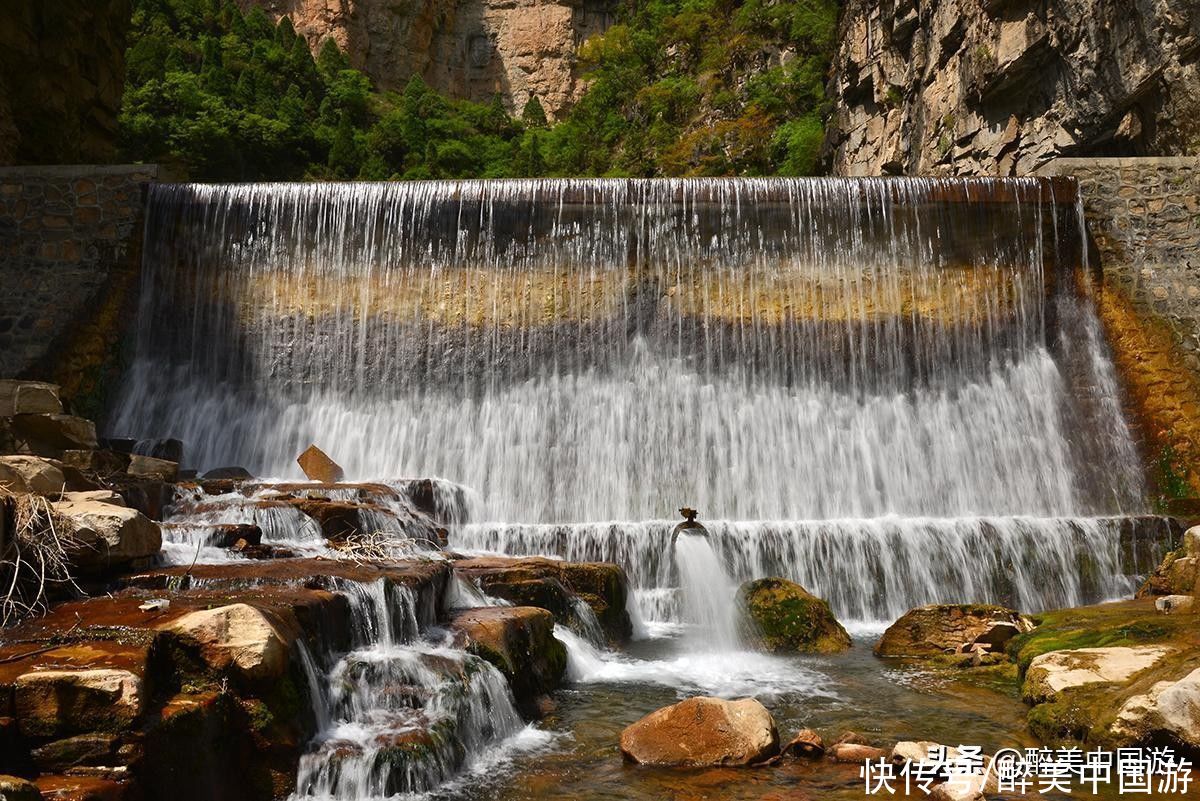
column 678, row 87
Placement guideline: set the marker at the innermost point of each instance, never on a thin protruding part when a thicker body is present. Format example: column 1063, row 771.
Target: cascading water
column 402, row 714
column 709, row 597
column 895, row 377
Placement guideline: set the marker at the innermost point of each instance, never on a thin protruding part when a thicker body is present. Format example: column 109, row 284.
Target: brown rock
column 94, row 748
column 51, row 434
column 108, row 537
column 702, row 732
column 317, row 465
column 22, row 474
column 853, row 752
column 806, row 743
column 519, row 640
column 947, row 628
column 58, row 702
column 28, row 397
column 150, row 467
column 237, row 636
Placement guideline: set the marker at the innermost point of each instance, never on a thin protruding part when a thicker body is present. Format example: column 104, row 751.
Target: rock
column 1175, row 604
column 960, row 787
column 1050, row 674
column 549, row 584
column 150, row 467
column 51, row 434
column 954, row 88
column 317, row 465
column 519, row 640
column 15, row 789
column 790, row 619
column 170, row 450
column 228, row 474
column 1171, row 708
column 949, row 628
column 55, row 703
column 806, row 743
column 98, row 496
column 851, row 737
column 920, row 751
column 93, row 748
column 28, row 397
column 107, row 536
column 703, row 732
column 235, row 535
column 1179, row 573
column 236, row 636
column 854, row 752
column 101, row 462
column 23, row 474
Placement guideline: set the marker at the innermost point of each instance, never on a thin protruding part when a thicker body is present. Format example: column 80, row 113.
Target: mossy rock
column 785, row 617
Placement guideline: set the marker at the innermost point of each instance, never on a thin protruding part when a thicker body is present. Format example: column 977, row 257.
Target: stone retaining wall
column 70, row 251
column 1144, row 218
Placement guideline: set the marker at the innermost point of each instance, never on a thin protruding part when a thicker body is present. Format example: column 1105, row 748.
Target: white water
column 710, row 602
column 870, row 571
column 594, row 350
column 404, row 714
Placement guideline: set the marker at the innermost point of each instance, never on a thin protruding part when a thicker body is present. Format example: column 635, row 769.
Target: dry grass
column 378, row 546
column 34, row 561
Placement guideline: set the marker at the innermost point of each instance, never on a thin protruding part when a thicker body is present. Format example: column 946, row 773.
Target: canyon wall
column 472, row 49
column 1000, row 87
column 62, row 70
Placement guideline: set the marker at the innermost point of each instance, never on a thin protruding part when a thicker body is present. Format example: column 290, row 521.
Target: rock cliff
column 471, row 49
column 1002, row 86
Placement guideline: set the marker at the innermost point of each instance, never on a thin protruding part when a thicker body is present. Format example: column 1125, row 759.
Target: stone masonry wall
column 70, row 250
column 1144, row 218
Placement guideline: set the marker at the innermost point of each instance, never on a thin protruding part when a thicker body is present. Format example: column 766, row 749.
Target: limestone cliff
column 1003, row 86
column 466, row 48
column 62, row 70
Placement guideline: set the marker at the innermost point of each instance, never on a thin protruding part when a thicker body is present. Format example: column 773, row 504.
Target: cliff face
column 62, row 69
column 1002, row 86
column 467, row 49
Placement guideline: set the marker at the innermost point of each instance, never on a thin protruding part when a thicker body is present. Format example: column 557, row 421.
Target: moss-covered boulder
column 785, row 617
column 938, row 629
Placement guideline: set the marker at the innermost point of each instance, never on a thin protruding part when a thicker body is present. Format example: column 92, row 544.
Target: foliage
column 677, row 87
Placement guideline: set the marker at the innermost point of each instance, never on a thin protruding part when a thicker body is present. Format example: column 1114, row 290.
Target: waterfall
column 585, row 350
column 400, row 714
column 709, row 597
column 869, row 570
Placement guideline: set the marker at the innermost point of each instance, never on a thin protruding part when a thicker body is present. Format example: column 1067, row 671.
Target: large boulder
column 51, row 434
column 55, row 703
column 788, row 618
column 236, row 637
column 1171, row 708
column 1050, row 674
column 519, row 640
column 106, row 536
column 951, row 628
column 28, row 397
column 23, row 474
column 702, row 732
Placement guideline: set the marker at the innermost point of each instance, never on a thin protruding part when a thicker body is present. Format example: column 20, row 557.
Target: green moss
column 1095, row 627
column 788, row 618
